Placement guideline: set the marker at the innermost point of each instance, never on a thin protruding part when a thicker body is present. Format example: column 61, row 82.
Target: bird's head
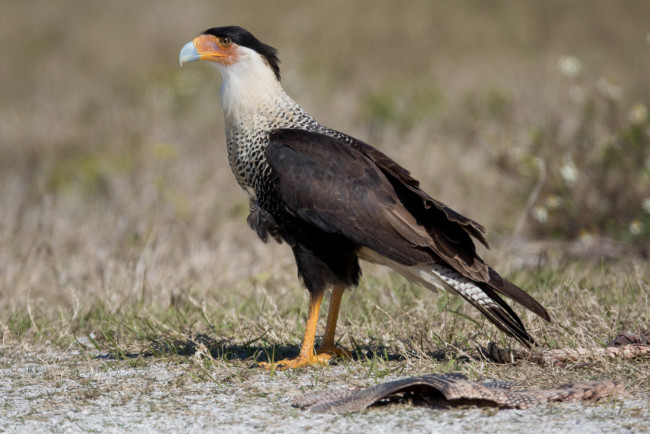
column 231, row 48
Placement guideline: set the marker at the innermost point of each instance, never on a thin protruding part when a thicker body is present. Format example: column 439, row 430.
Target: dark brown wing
column 392, row 169
column 340, row 190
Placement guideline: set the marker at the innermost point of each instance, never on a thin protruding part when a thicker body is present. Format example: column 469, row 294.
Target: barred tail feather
column 483, row 296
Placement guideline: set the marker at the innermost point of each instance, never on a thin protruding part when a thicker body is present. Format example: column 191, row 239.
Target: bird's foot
column 298, row 362
column 334, row 352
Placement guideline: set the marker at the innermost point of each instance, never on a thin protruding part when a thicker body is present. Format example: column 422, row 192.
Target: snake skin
column 456, row 389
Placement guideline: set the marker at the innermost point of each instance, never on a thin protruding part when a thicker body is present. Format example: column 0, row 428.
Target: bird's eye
column 225, row 41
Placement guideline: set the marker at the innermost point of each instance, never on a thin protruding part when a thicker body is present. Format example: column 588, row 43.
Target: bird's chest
column 247, row 141
column 246, row 148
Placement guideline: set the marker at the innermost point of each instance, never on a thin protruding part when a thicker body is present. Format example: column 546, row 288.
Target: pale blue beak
column 188, row 54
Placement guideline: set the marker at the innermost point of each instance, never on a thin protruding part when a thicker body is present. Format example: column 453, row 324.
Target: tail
column 484, row 297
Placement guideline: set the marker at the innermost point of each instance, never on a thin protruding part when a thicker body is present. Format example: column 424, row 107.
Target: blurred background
column 530, row 117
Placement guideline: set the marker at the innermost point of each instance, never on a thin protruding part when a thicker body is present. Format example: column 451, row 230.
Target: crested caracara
column 335, row 199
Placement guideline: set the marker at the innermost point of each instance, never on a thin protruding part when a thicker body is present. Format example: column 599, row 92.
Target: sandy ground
column 64, row 392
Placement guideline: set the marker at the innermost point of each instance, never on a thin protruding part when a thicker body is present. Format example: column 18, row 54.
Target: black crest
column 243, row 37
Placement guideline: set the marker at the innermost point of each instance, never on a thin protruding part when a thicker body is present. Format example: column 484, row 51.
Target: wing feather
column 404, row 176
column 339, row 190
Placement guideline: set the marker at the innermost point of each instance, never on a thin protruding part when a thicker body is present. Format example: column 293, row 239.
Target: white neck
column 248, row 85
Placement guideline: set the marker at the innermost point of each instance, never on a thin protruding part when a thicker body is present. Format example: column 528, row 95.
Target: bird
column 336, row 200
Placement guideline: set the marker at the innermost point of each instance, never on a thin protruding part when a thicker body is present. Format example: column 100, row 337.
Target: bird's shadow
column 221, row 349
column 226, row 349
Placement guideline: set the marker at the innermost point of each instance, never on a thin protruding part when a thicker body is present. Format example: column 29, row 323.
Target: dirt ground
column 57, row 391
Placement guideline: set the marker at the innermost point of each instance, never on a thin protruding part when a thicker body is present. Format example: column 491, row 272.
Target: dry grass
column 122, row 229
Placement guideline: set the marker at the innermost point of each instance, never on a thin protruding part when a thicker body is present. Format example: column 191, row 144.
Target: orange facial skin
column 220, row 50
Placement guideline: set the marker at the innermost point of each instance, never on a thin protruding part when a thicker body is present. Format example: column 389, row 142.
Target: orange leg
column 306, row 356
column 327, row 346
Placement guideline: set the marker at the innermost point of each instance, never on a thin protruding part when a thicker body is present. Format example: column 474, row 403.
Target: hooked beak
column 188, row 54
